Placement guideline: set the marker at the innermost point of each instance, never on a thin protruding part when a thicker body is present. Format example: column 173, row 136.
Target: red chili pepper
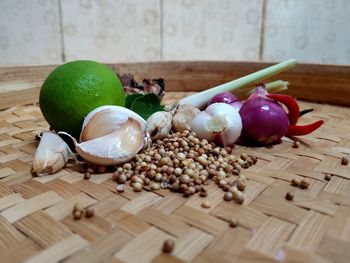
column 290, row 103
column 297, row 130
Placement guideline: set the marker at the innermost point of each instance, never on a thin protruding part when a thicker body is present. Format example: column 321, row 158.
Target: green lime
column 74, row 89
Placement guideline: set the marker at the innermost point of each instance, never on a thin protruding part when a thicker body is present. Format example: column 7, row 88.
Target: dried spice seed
column 233, row 222
column 121, row 179
column 238, row 197
column 228, row 196
column 203, row 193
column 137, row 187
column 255, row 160
column 120, row 188
column 182, row 163
column 89, row 212
column 296, row 144
column 240, row 185
column 294, row 182
column 77, row 214
column 168, row 246
column 289, row 196
column 206, row 204
column 78, row 207
column 327, row 177
column 155, row 186
column 304, row 184
column 87, row 176
column 344, row 161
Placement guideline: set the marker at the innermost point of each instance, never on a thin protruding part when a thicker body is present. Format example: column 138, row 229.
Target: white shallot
column 219, row 122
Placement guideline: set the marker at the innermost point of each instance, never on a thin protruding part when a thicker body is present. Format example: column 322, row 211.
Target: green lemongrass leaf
column 201, row 99
column 130, row 99
column 146, row 105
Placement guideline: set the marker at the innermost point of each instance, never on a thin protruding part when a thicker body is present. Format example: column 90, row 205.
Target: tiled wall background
column 55, row 31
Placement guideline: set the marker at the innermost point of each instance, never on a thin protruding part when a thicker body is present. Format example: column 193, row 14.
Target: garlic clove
column 51, row 155
column 183, row 117
column 105, row 120
column 159, row 124
column 111, row 135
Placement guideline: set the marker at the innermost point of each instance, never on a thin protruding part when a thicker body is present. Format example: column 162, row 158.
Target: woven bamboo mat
column 36, row 222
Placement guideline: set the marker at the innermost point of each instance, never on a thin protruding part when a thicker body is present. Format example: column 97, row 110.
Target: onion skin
column 264, row 121
column 223, row 97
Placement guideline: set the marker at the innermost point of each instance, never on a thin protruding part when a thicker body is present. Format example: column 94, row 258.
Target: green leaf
column 130, row 99
column 146, row 105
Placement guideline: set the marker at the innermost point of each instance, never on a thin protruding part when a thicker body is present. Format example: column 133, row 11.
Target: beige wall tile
column 211, row 30
column 111, row 30
column 29, row 32
column 310, row 31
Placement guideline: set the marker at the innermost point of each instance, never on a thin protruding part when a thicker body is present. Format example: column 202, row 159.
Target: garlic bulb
column 51, row 155
column 218, row 122
column 111, row 135
column 183, row 117
column 159, row 124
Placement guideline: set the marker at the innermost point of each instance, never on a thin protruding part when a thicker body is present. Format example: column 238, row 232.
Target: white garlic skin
column 112, row 135
column 51, row 155
column 159, row 124
column 105, row 120
column 219, row 122
column 183, row 117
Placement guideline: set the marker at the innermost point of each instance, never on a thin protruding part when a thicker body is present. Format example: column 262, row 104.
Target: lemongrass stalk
column 201, row 99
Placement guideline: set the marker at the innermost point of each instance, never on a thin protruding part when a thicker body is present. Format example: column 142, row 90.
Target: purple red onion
column 264, row 120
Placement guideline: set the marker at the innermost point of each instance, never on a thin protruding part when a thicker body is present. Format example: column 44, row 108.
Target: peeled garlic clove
column 111, row 135
column 51, row 155
column 159, row 124
column 183, row 117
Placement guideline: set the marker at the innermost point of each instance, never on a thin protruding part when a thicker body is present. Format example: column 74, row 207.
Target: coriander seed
column 121, row 179
column 78, row 207
column 168, row 246
column 77, row 214
column 206, row 204
column 294, row 182
column 344, row 161
column 120, row 188
column 89, row 212
column 137, row 187
column 233, row 222
column 327, row 177
column 289, row 196
column 87, row 176
column 296, row 144
column 228, row 196
column 304, row 184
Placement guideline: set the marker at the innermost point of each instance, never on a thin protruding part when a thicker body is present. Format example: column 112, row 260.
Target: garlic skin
column 51, row 155
column 159, row 124
column 105, row 120
column 111, row 135
column 219, row 122
column 183, row 117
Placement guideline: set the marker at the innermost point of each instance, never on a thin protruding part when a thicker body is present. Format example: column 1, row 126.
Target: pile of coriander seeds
column 184, row 164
